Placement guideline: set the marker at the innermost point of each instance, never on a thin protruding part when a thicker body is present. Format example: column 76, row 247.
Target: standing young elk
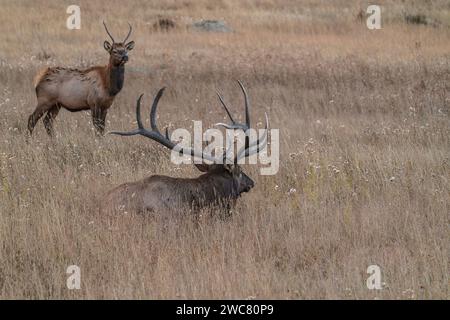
column 221, row 184
column 75, row 90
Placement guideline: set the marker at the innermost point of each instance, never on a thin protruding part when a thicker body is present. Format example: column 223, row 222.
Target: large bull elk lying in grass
column 221, row 184
column 75, row 90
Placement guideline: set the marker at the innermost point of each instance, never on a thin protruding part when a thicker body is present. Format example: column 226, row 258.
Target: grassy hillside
column 364, row 170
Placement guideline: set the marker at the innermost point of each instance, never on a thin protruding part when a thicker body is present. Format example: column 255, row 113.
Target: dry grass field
column 364, row 141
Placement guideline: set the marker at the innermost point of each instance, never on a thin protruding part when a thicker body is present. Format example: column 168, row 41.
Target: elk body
column 75, row 90
column 221, row 184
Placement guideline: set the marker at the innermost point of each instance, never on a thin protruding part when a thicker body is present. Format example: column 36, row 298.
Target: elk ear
column 203, row 167
column 107, row 46
column 130, row 45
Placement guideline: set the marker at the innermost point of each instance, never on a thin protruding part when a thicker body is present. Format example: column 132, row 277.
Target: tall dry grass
column 364, row 177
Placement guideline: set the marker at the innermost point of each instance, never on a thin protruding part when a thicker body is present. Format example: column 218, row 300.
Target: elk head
column 118, row 51
column 221, row 167
column 241, row 182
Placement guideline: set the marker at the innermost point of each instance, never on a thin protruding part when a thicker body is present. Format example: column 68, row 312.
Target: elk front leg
column 98, row 119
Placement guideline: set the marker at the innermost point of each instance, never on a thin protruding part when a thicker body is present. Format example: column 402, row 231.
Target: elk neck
column 115, row 78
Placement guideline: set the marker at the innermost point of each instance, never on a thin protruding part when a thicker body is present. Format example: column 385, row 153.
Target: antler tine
column 259, row 144
column 138, row 119
column 167, row 133
column 234, row 124
column 226, row 109
column 129, row 32
column 138, row 112
column 126, row 134
column 154, row 134
column 153, row 110
column 247, row 104
column 107, row 31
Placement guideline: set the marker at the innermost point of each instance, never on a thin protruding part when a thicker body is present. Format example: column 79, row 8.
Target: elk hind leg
column 49, row 117
column 37, row 114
